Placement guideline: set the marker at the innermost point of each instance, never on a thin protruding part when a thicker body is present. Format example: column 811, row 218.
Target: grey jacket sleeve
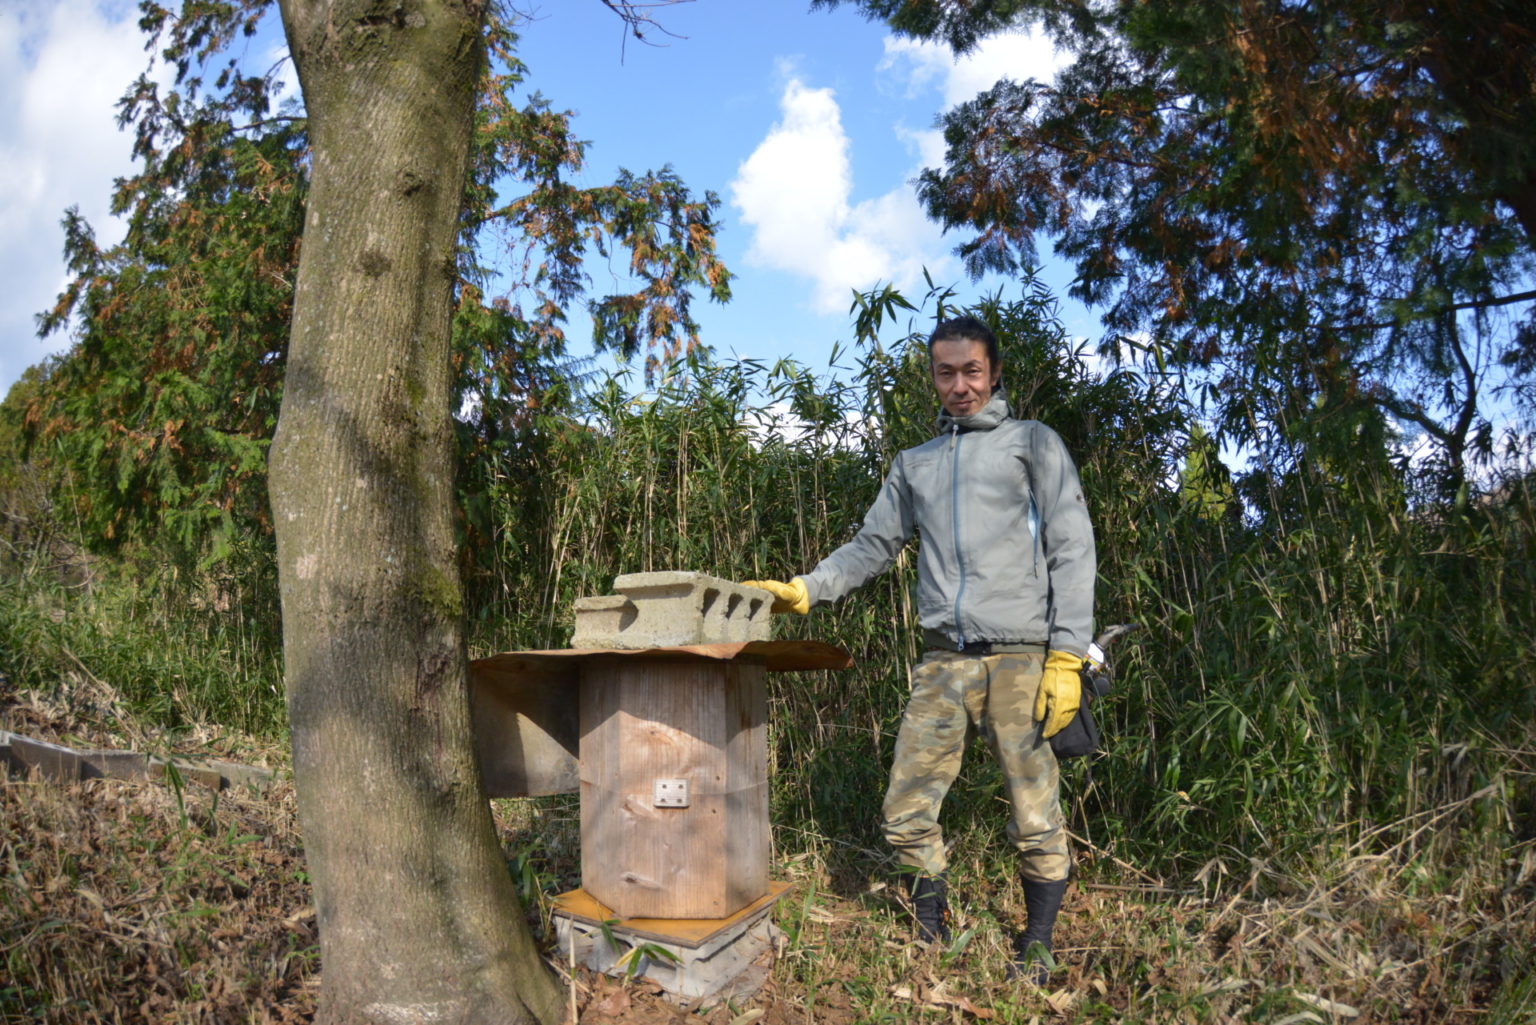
column 1067, row 536
column 887, row 527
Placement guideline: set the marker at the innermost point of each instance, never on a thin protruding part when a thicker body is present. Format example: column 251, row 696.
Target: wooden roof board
column 777, row 656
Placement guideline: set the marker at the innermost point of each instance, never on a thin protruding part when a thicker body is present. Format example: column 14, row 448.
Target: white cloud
column 778, row 420
column 926, row 144
column 63, row 66
column 1015, row 55
column 919, row 68
column 795, row 193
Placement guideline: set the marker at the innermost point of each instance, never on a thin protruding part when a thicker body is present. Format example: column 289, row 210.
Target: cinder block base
column 692, row 960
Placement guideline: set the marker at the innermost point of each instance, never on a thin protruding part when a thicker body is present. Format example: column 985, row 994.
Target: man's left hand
column 1061, row 691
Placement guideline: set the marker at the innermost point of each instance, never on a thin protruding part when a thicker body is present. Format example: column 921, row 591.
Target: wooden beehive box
column 674, row 785
column 658, row 716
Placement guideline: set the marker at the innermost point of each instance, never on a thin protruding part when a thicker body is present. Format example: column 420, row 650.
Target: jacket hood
column 984, row 419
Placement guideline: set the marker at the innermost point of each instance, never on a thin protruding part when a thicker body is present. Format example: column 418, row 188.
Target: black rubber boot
column 1042, row 901
column 930, row 906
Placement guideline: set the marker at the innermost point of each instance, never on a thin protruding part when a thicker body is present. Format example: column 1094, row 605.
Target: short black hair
column 966, row 329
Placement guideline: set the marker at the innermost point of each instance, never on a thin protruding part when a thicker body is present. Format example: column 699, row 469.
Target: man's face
column 962, row 376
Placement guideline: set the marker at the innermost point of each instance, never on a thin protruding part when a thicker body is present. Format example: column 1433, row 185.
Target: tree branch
column 636, row 16
column 263, row 122
column 1471, row 304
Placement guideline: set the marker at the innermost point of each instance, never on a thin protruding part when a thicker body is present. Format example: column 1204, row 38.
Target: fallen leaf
column 1327, row 1006
column 938, row 999
column 1060, row 1001
column 1299, row 1018
column 615, row 1004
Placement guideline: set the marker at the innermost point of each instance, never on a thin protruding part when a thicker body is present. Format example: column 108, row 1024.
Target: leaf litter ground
column 135, row 902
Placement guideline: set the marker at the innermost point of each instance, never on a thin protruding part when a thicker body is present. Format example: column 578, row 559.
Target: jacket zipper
column 954, row 515
column 1034, row 532
column 1034, row 514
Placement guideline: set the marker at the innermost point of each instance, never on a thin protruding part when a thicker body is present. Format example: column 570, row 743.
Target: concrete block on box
column 658, row 610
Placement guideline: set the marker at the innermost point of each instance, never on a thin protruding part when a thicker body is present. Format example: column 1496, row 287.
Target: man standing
column 1005, row 598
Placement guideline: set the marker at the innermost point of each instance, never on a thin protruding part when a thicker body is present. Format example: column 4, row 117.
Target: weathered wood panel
column 748, row 833
column 647, row 720
column 524, row 715
column 524, row 705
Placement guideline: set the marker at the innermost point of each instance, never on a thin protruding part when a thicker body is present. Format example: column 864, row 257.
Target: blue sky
column 809, row 127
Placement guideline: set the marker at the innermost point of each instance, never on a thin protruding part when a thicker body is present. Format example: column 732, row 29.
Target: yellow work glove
column 1061, row 691
column 790, row 597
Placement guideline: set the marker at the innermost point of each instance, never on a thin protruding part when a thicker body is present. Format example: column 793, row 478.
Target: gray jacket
column 1007, row 550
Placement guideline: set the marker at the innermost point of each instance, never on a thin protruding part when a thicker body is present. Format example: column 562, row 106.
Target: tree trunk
column 418, row 918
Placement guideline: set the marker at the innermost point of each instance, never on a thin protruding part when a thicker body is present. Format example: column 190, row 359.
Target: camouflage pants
column 953, row 696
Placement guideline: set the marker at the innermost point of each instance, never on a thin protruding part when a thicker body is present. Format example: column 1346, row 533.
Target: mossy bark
column 418, row 918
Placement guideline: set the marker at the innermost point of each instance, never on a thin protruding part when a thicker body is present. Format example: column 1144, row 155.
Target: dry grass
column 122, row 904
column 128, row 902
column 136, row 902
column 1370, row 944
